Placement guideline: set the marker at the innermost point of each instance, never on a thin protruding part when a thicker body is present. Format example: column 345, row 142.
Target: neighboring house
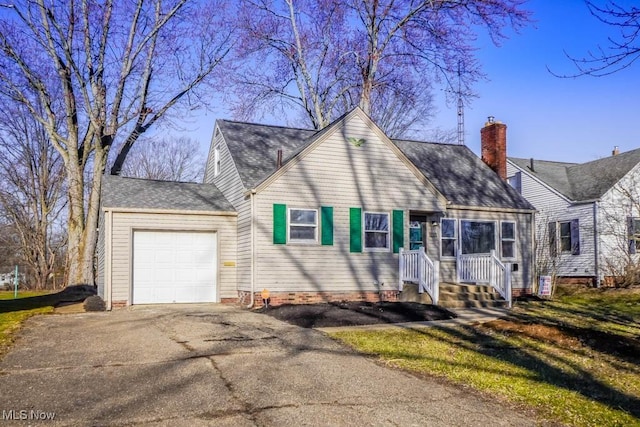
column 588, row 224
column 336, row 214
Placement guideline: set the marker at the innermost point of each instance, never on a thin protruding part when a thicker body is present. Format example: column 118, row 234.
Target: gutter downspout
column 252, row 301
column 596, row 244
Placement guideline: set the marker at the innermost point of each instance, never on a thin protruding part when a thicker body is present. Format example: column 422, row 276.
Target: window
column 415, row 235
column 633, row 226
column 564, row 237
column 216, row 161
column 448, row 237
column 508, row 239
column 376, row 231
column 516, row 181
column 478, row 237
column 303, row 225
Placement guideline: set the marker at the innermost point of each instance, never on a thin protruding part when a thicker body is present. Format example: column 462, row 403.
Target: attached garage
column 174, row 266
column 165, row 242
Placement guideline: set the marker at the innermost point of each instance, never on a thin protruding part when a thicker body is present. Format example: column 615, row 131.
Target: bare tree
column 9, row 245
column 31, row 194
column 168, row 159
column 621, row 51
column 326, row 57
column 104, row 72
column 548, row 259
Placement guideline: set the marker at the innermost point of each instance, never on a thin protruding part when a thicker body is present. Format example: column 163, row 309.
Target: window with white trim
column 303, row 225
column 376, row 231
column 565, row 236
column 448, row 237
column 477, row 237
column 216, row 161
column 508, row 239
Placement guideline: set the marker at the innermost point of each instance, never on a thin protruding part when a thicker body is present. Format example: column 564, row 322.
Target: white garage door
column 172, row 266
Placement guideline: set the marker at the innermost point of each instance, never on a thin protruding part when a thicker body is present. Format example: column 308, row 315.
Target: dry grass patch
column 575, row 360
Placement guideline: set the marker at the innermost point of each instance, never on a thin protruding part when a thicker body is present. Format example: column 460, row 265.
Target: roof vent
column 279, row 159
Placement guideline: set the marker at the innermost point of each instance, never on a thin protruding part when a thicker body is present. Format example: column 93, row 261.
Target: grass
column 575, row 359
column 14, row 312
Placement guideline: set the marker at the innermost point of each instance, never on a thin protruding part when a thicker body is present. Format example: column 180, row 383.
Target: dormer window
column 516, row 181
column 216, row 161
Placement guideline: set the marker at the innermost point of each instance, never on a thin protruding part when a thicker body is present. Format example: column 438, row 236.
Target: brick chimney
column 615, row 151
column 493, row 139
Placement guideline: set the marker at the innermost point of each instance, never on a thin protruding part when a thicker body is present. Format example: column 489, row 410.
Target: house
column 338, row 214
column 588, row 224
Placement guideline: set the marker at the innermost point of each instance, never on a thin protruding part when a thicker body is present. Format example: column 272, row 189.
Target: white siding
column 123, row 225
column 337, row 174
column 229, row 183
column 617, row 204
column 552, row 206
column 100, row 253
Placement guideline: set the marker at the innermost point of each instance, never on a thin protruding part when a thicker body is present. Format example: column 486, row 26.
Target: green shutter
column 355, row 230
column 279, row 224
column 326, row 218
column 398, row 231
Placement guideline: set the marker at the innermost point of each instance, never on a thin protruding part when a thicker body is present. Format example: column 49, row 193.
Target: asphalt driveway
column 215, row 365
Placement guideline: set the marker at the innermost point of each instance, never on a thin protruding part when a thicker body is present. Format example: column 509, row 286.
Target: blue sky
column 564, row 119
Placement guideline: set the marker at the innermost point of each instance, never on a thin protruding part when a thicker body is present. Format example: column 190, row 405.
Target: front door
column 417, row 232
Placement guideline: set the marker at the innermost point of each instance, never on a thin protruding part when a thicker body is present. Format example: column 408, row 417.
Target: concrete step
column 465, row 288
column 453, row 295
column 474, row 304
column 410, row 294
column 478, row 296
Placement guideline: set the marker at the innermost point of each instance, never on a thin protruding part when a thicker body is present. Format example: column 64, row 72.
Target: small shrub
column 94, row 303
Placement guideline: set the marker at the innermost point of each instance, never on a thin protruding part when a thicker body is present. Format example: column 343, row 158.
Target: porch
column 482, row 280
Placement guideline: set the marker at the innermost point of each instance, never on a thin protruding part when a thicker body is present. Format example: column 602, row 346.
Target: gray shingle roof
column 454, row 170
column 582, row 181
column 254, row 147
column 461, row 176
column 119, row 192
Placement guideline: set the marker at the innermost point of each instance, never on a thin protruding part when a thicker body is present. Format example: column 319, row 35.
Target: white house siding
column 520, row 279
column 616, row 205
column 124, row 223
column 229, row 183
column 337, row 174
column 552, row 206
column 100, row 253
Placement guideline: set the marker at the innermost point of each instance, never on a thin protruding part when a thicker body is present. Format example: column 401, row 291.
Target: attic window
column 516, row 181
column 216, row 161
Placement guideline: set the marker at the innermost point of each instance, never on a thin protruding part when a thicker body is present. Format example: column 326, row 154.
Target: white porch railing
column 417, row 267
column 485, row 269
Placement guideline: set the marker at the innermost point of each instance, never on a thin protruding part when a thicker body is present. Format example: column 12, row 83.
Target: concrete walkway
column 464, row 316
column 200, row 365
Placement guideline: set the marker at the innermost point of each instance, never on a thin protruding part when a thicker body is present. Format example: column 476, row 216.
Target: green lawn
column 575, row 359
column 14, row 312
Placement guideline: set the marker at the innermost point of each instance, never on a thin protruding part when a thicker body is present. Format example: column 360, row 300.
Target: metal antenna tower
column 460, row 109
